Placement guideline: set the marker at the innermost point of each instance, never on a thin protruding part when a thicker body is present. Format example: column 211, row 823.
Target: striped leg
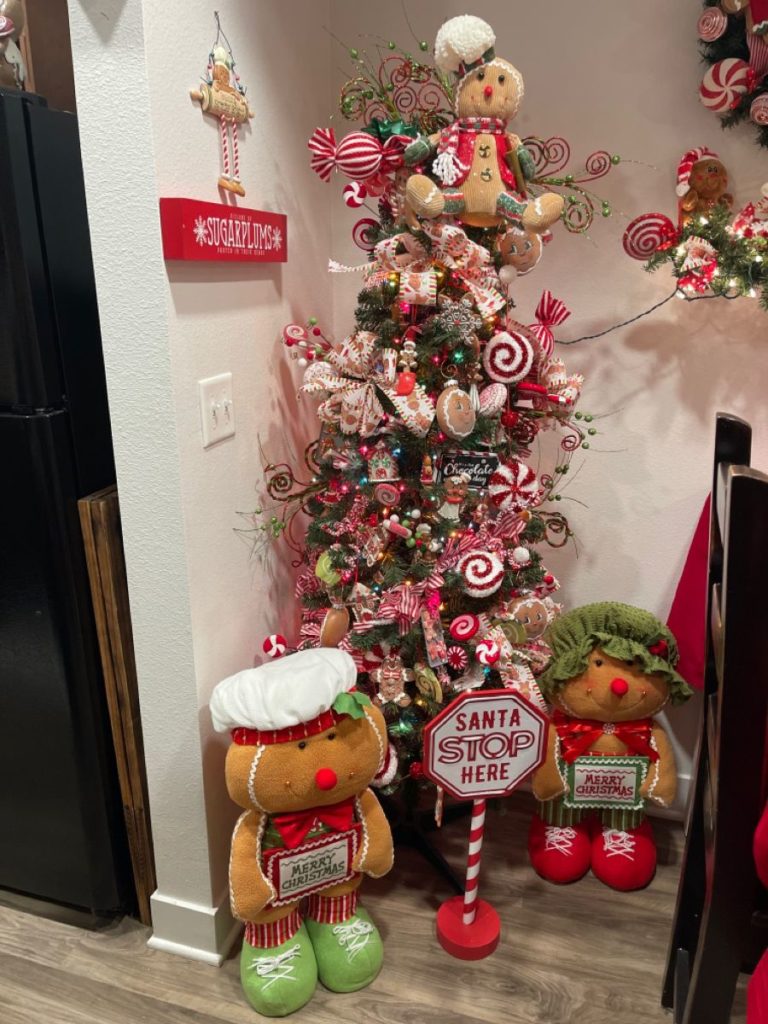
column 477, row 827
column 235, row 154
column 224, row 146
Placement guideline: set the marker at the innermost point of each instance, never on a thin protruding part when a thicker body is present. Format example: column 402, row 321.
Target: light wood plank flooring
column 581, row 953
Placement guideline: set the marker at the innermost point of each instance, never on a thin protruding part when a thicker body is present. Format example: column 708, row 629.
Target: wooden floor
column 581, row 953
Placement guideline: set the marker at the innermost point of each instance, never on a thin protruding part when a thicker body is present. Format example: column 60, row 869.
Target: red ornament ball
column 509, row 418
column 274, row 645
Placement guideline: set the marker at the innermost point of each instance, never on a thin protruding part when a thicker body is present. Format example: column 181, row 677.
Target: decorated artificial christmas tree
column 428, row 506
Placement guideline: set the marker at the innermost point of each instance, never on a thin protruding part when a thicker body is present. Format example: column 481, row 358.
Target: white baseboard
column 193, row 930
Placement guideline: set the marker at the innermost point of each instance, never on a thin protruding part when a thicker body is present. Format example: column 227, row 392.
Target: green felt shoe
column 281, row 979
column 350, row 954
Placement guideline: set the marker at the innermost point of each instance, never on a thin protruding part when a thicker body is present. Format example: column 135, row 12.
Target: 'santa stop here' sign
column 484, row 744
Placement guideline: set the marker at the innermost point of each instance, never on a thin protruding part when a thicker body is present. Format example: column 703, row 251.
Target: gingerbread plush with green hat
column 481, row 168
column 305, row 746
column 612, row 670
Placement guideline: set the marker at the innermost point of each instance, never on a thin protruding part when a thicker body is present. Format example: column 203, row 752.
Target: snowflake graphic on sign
column 277, row 238
column 201, row 231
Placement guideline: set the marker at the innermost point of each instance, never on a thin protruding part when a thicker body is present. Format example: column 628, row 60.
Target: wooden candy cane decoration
column 476, row 830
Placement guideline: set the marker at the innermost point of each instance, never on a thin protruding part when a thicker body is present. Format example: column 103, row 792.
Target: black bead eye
column 331, row 736
column 480, row 76
column 301, row 744
column 502, row 79
column 598, row 662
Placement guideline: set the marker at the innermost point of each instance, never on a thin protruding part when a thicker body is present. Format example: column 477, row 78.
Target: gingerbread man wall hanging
column 222, row 95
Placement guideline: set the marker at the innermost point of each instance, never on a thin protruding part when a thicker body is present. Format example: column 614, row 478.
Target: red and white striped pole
column 468, row 927
column 476, row 830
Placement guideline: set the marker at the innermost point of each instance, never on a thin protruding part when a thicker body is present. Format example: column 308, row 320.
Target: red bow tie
column 578, row 734
column 296, row 825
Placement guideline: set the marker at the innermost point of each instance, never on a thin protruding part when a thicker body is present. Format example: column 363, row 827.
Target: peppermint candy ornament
column 508, row 356
column 483, row 573
column 724, row 83
column 493, row 398
column 514, row 486
column 354, row 194
column 464, row 626
column 457, row 658
column 487, row 652
column 274, row 645
column 712, row 24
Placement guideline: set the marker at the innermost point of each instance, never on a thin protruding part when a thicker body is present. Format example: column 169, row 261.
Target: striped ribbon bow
column 550, row 312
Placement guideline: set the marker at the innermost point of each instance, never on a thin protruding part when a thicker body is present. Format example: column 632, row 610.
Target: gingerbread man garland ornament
column 221, row 95
column 481, row 167
column 305, row 747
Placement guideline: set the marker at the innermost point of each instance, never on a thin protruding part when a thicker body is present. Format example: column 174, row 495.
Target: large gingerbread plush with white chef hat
column 480, row 167
column 305, row 746
column 612, row 669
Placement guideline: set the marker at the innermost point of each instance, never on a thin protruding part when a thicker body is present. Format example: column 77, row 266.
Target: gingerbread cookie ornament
column 702, row 184
column 222, row 95
column 480, row 167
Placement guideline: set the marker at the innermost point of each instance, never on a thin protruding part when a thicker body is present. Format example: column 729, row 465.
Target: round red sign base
column 468, row 941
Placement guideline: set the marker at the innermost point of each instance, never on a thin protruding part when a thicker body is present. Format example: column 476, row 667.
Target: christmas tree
column 422, row 555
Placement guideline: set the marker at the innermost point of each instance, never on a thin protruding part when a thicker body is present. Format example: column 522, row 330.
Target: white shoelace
column 275, row 968
column 353, row 935
column 560, row 839
column 618, row 843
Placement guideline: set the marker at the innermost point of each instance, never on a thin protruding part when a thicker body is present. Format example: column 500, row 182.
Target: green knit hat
column 623, row 632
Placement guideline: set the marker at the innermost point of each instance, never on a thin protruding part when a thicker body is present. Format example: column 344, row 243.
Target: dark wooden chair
column 716, row 918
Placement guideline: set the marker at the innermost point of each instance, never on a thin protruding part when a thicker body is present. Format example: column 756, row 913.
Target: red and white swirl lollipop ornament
column 508, row 356
column 724, row 84
column 514, row 486
column 646, row 234
column 464, row 627
column 712, row 24
column 488, row 652
column 483, row 573
column 354, row 194
column 274, row 645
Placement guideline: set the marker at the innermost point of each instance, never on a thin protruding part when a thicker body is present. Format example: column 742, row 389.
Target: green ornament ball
column 354, row 54
column 579, row 416
column 585, row 444
column 410, row 543
column 392, row 45
column 423, row 46
column 588, row 417
column 568, row 179
column 312, row 321
column 606, row 210
column 615, row 159
column 592, row 431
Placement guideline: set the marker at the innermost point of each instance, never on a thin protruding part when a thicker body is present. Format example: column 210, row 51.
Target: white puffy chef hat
column 288, row 699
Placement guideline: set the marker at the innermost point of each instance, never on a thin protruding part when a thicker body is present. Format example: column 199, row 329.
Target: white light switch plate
column 217, row 411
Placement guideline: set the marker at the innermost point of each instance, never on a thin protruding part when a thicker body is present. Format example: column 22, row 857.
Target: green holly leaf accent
column 351, row 704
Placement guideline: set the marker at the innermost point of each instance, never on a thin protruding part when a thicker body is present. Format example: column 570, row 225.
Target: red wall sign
column 484, row 744
column 193, row 230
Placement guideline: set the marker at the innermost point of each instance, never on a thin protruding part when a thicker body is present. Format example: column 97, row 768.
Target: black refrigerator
column 62, row 835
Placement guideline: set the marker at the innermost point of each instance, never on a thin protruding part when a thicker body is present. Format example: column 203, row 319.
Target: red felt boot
column 624, row 860
column 559, row 854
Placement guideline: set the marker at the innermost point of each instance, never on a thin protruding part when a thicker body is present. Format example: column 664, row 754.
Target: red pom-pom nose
column 619, row 686
column 488, row 91
column 326, row 778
